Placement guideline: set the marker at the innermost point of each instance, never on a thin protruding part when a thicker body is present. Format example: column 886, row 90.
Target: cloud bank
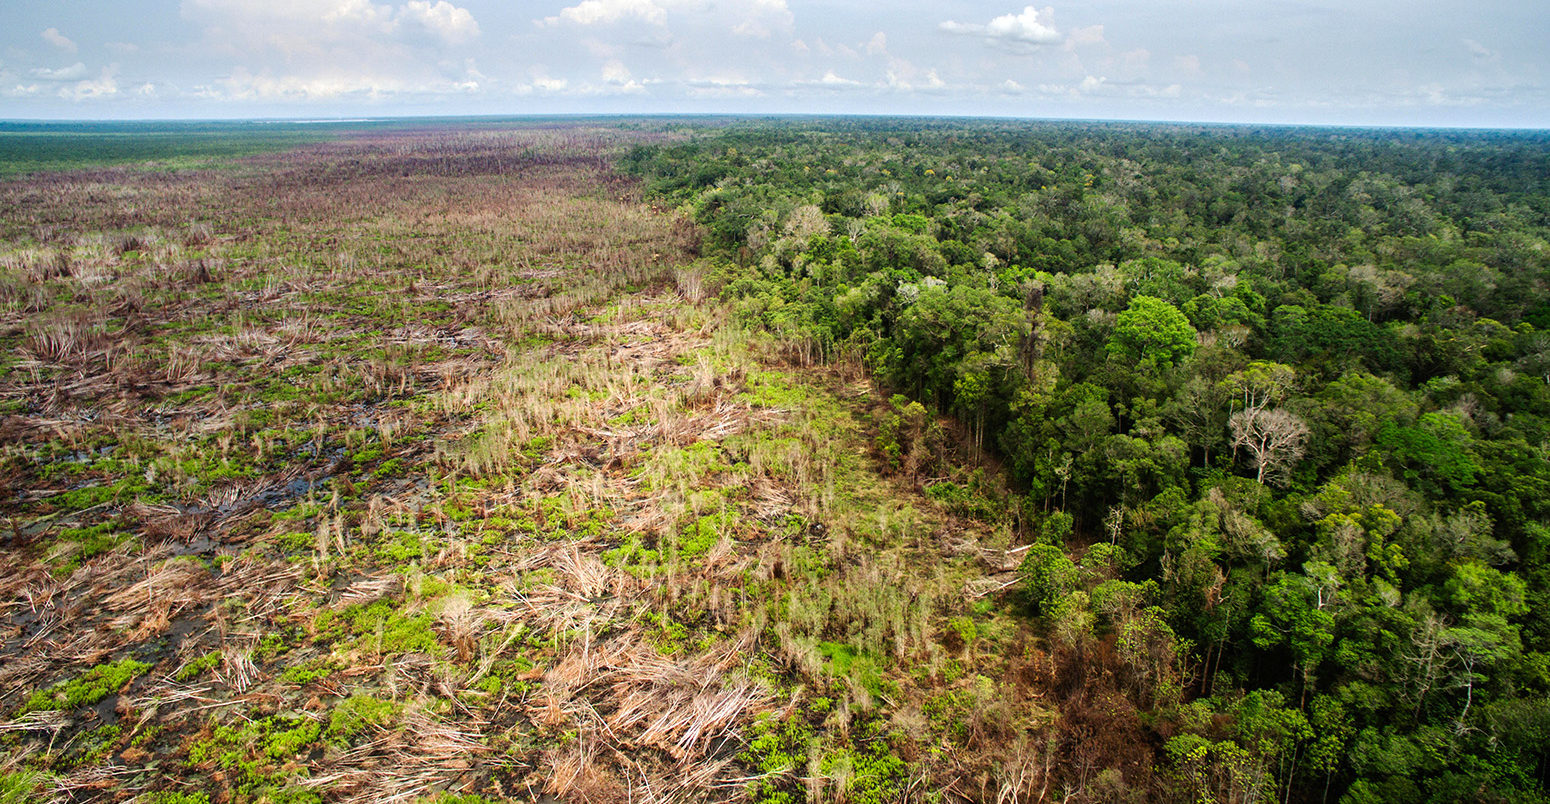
column 1023, row 30
column 1434, row 64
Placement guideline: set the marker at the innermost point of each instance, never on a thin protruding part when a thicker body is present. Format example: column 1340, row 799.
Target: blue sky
column 1364, row 62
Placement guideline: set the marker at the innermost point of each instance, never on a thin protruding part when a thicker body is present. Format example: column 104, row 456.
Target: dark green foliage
column 1153, row 332
column 1126, row 311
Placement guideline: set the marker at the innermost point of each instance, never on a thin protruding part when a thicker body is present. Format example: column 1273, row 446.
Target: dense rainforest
column 1267, row 406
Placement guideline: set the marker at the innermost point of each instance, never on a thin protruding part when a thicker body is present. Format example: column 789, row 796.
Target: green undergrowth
column 259, row 756
column 88, row 688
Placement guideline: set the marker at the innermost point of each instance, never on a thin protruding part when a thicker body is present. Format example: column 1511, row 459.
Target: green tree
column 1152, row 332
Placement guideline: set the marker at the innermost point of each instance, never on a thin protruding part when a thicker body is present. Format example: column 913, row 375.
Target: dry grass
column 383, row 421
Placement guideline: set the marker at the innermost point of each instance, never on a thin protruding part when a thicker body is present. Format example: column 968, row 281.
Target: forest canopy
column 1292, row 382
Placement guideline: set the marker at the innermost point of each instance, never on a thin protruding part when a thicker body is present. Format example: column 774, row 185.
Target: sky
column 1482, row 63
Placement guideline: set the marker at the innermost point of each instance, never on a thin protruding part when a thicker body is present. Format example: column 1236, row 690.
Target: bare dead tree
column 1276, row 439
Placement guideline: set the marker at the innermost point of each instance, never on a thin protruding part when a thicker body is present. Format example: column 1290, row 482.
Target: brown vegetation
column 421, row 449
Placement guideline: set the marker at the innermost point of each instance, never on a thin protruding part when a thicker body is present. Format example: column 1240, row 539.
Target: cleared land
column 413, row 465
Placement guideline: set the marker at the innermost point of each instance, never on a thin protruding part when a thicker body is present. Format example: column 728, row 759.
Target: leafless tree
column 1274, row 437
column 806, row 221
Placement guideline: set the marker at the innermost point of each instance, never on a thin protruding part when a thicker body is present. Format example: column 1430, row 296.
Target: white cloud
column 243, row 85
column 1478, row 50
column 123, row 48
column 331, row 12
column 614, row 72
column 315, row 20
column 714, row 92
column 104, row 86
column 752, row 28
column 723, row 87
column 751, row 18
column 547, row 84
column 348, row 51
column 760, row 18
column 350, row 12
column 877, row 45
column 337, row 84
column 74, row 72
column 594, row 12
column 1019, row 31
column 830, row 80
column 57, row 39
column 447, row 21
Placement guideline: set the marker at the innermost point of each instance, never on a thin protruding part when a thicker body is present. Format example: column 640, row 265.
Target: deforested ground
column 417, row 466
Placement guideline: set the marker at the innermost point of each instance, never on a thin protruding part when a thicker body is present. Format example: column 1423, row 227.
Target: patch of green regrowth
column 845, row 661
column 298, row 513
column 120, row 490
column 425, row 588
column 693, row 465
column 592, row 522
column 76, row 546
column 146, row 735
column 185, row 397
column 88, row 688
column 389, row 468
column 875, row 773
column 367, row 454
column 208, row 146
column 640, row 414
column 202, row 471
column 296, row 541
column 177, row 797
column 20, row 786
column 457, row 510
column 667, row 633
column 536, row 448
column 358, row 713
column 511, row 676
column 254, row 755
column 777, row 750
column 975, row 498
column 381, row 629
column 702, row 533
column 964, row 630
column 198, row 667
column 772, row 389
column 402, row 547
column 94, row 746
column 948, row 713
column 634, row 557
column 308, row 672
column 275, row 644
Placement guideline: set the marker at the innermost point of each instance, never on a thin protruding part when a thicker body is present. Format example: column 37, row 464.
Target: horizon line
column 341, row 120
